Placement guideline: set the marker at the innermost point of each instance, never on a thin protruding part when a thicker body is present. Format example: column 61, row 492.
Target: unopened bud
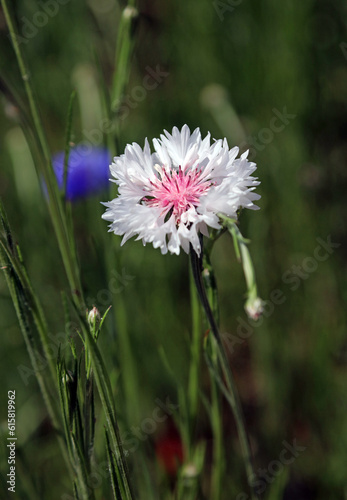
column 130, row 12
column 254, row 308
column 189, row 471
column 94, row 317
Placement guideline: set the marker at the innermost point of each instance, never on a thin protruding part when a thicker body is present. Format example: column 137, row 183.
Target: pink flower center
column 177, row 191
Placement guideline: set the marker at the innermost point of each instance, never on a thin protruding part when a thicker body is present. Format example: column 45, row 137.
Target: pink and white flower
column 167, row 197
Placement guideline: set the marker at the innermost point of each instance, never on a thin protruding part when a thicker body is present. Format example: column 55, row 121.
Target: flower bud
column 130, row 12
column 254, row 308
column 94, row 317
column 189, row 471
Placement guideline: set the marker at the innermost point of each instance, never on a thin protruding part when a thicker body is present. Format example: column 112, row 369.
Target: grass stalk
column 218, row 467
column 124, row 50
column 46, row 170
column 20, row 303
column 231, row 390
column 195, row 363
column 105, row 393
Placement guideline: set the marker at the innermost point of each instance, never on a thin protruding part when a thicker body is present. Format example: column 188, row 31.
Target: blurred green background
column 229, row 68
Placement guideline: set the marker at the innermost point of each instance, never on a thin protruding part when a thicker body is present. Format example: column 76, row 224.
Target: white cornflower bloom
column 167, row 197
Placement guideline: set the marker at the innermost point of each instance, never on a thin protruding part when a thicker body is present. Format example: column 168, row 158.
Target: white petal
column 137, row 172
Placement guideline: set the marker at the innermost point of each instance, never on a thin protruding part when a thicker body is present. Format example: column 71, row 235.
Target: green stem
column 217, row 429
column 124, row 50
column 54, row 200
column 105, row 393
column 233, row 397
column 243, row 255
column 218, row 468
column 123, row 54
column 13, row 283
column 194, row 369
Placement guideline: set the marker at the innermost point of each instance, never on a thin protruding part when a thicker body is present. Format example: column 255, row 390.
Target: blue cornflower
column 88, row 171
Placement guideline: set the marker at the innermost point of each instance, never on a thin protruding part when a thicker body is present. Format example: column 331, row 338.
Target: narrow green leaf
column 6, row 227
column 278, row 486
column 75, row 491
column 45, row 169
column 89, row 417
column 148, row 488
column 81, row 470
column 112, row 468
column 190, row 474
column 195, row 363
column 123, row 54
column 102, row 322
column 30, row 300
column 61, row 375
column 20, row 301
column 105, row 393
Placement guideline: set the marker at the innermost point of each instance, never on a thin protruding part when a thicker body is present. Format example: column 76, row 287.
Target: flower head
column 88, row 171
column 167, row 197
